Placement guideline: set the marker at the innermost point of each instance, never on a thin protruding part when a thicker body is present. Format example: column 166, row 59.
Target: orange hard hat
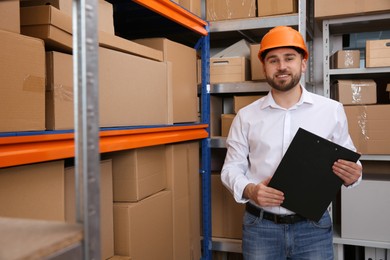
column 282, row 36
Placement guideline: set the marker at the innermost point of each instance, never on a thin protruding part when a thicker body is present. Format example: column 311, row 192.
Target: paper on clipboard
column 305, row 174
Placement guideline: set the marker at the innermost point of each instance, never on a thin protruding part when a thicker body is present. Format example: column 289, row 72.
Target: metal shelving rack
column 349, row 25
column 87, row 141
column 338, row 26
column 253, row 29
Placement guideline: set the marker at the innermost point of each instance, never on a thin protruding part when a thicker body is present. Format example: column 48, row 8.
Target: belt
column 277, row 219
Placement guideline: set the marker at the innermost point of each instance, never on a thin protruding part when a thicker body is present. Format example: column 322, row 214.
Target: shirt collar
column 270, row 102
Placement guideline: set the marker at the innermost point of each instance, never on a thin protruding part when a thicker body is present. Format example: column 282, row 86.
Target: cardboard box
column 143, row 230
column 22, row 77
column 180, row 182
column 276, row 7
column 229, row 69
column 347, row 8
column 194, row 6
column 355, row 92
column 105, row 11
column 369, row 127
column 345, row 59
column 225, row 10
column 128, row 94
column 55, row 28
column 257, row 68
column 216, row 109
column 106, row 205
column 378, row 53
column 184, row 82
column 34, row 191
column 226, row 122
column 59, row 91
column 49, row 24
column 138, row 173
column 226, row 214
column 242, row 101
column 373, row 194
column 62, row 5
column 146, row 95
column 46, row 191
column 10, row 16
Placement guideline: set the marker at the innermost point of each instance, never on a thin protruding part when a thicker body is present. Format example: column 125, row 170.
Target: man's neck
column 287, row 99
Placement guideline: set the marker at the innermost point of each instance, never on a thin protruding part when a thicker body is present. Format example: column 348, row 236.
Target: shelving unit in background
column 172, row 22
column 332, row 31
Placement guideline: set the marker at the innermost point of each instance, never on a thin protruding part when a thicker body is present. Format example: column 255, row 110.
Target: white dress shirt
column 262, row 131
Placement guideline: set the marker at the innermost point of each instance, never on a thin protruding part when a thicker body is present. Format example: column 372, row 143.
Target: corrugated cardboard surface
column 22, row 77
column 226, row 10
column 35, row 191
column 106, row 205
column 226, row 122
column 105, row 11
column 59, row 91
column 147, row 94
column 180, row 167
column 369, row 127
column 55, row 28
column 257, row 68
column 227, row 214
column 345, row 59
column 242, row 101
column 138, row 173
column 144, row 230
column 229, row 69
column 276, row 7
column 10, row 16
column 133, row 90
column 355, row 92
column 378, row 53
column 184, row 82
column 336, row 9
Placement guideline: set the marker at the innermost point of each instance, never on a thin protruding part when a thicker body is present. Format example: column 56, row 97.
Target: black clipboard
column 305, row 174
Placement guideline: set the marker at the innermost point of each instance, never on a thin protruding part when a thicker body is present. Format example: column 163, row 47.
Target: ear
column 304, row 65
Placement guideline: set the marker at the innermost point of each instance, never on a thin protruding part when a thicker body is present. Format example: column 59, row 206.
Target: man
column 260, row 135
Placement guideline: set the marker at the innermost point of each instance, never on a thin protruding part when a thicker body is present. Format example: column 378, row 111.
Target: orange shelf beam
column 176, row 13
column 19, row 150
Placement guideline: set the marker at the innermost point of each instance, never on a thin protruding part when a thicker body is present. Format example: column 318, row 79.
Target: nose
column 282, row 65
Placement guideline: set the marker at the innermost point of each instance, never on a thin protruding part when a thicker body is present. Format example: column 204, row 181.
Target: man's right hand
column 263, row 195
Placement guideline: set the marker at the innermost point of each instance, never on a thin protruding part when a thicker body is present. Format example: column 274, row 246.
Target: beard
column 283, row 85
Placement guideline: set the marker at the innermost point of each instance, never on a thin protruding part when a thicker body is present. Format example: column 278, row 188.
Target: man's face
column 283, row 68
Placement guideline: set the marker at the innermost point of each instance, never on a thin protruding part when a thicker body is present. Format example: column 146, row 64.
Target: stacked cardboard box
column 241, row 9
column 156, row 199
column 369, row 127
column 347, row 8
column 355, row 92
column 227, row 214
column 46, row 191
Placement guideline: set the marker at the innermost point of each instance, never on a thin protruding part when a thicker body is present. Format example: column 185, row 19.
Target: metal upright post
column 206, row 153
column 86, row 92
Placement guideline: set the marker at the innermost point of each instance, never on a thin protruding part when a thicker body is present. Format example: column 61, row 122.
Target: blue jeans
column 306, row 240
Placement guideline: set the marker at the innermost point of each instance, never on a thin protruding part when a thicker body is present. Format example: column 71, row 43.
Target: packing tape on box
column 63, row 92
column 33, row 83
column 357, row 87
column 349, row 59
